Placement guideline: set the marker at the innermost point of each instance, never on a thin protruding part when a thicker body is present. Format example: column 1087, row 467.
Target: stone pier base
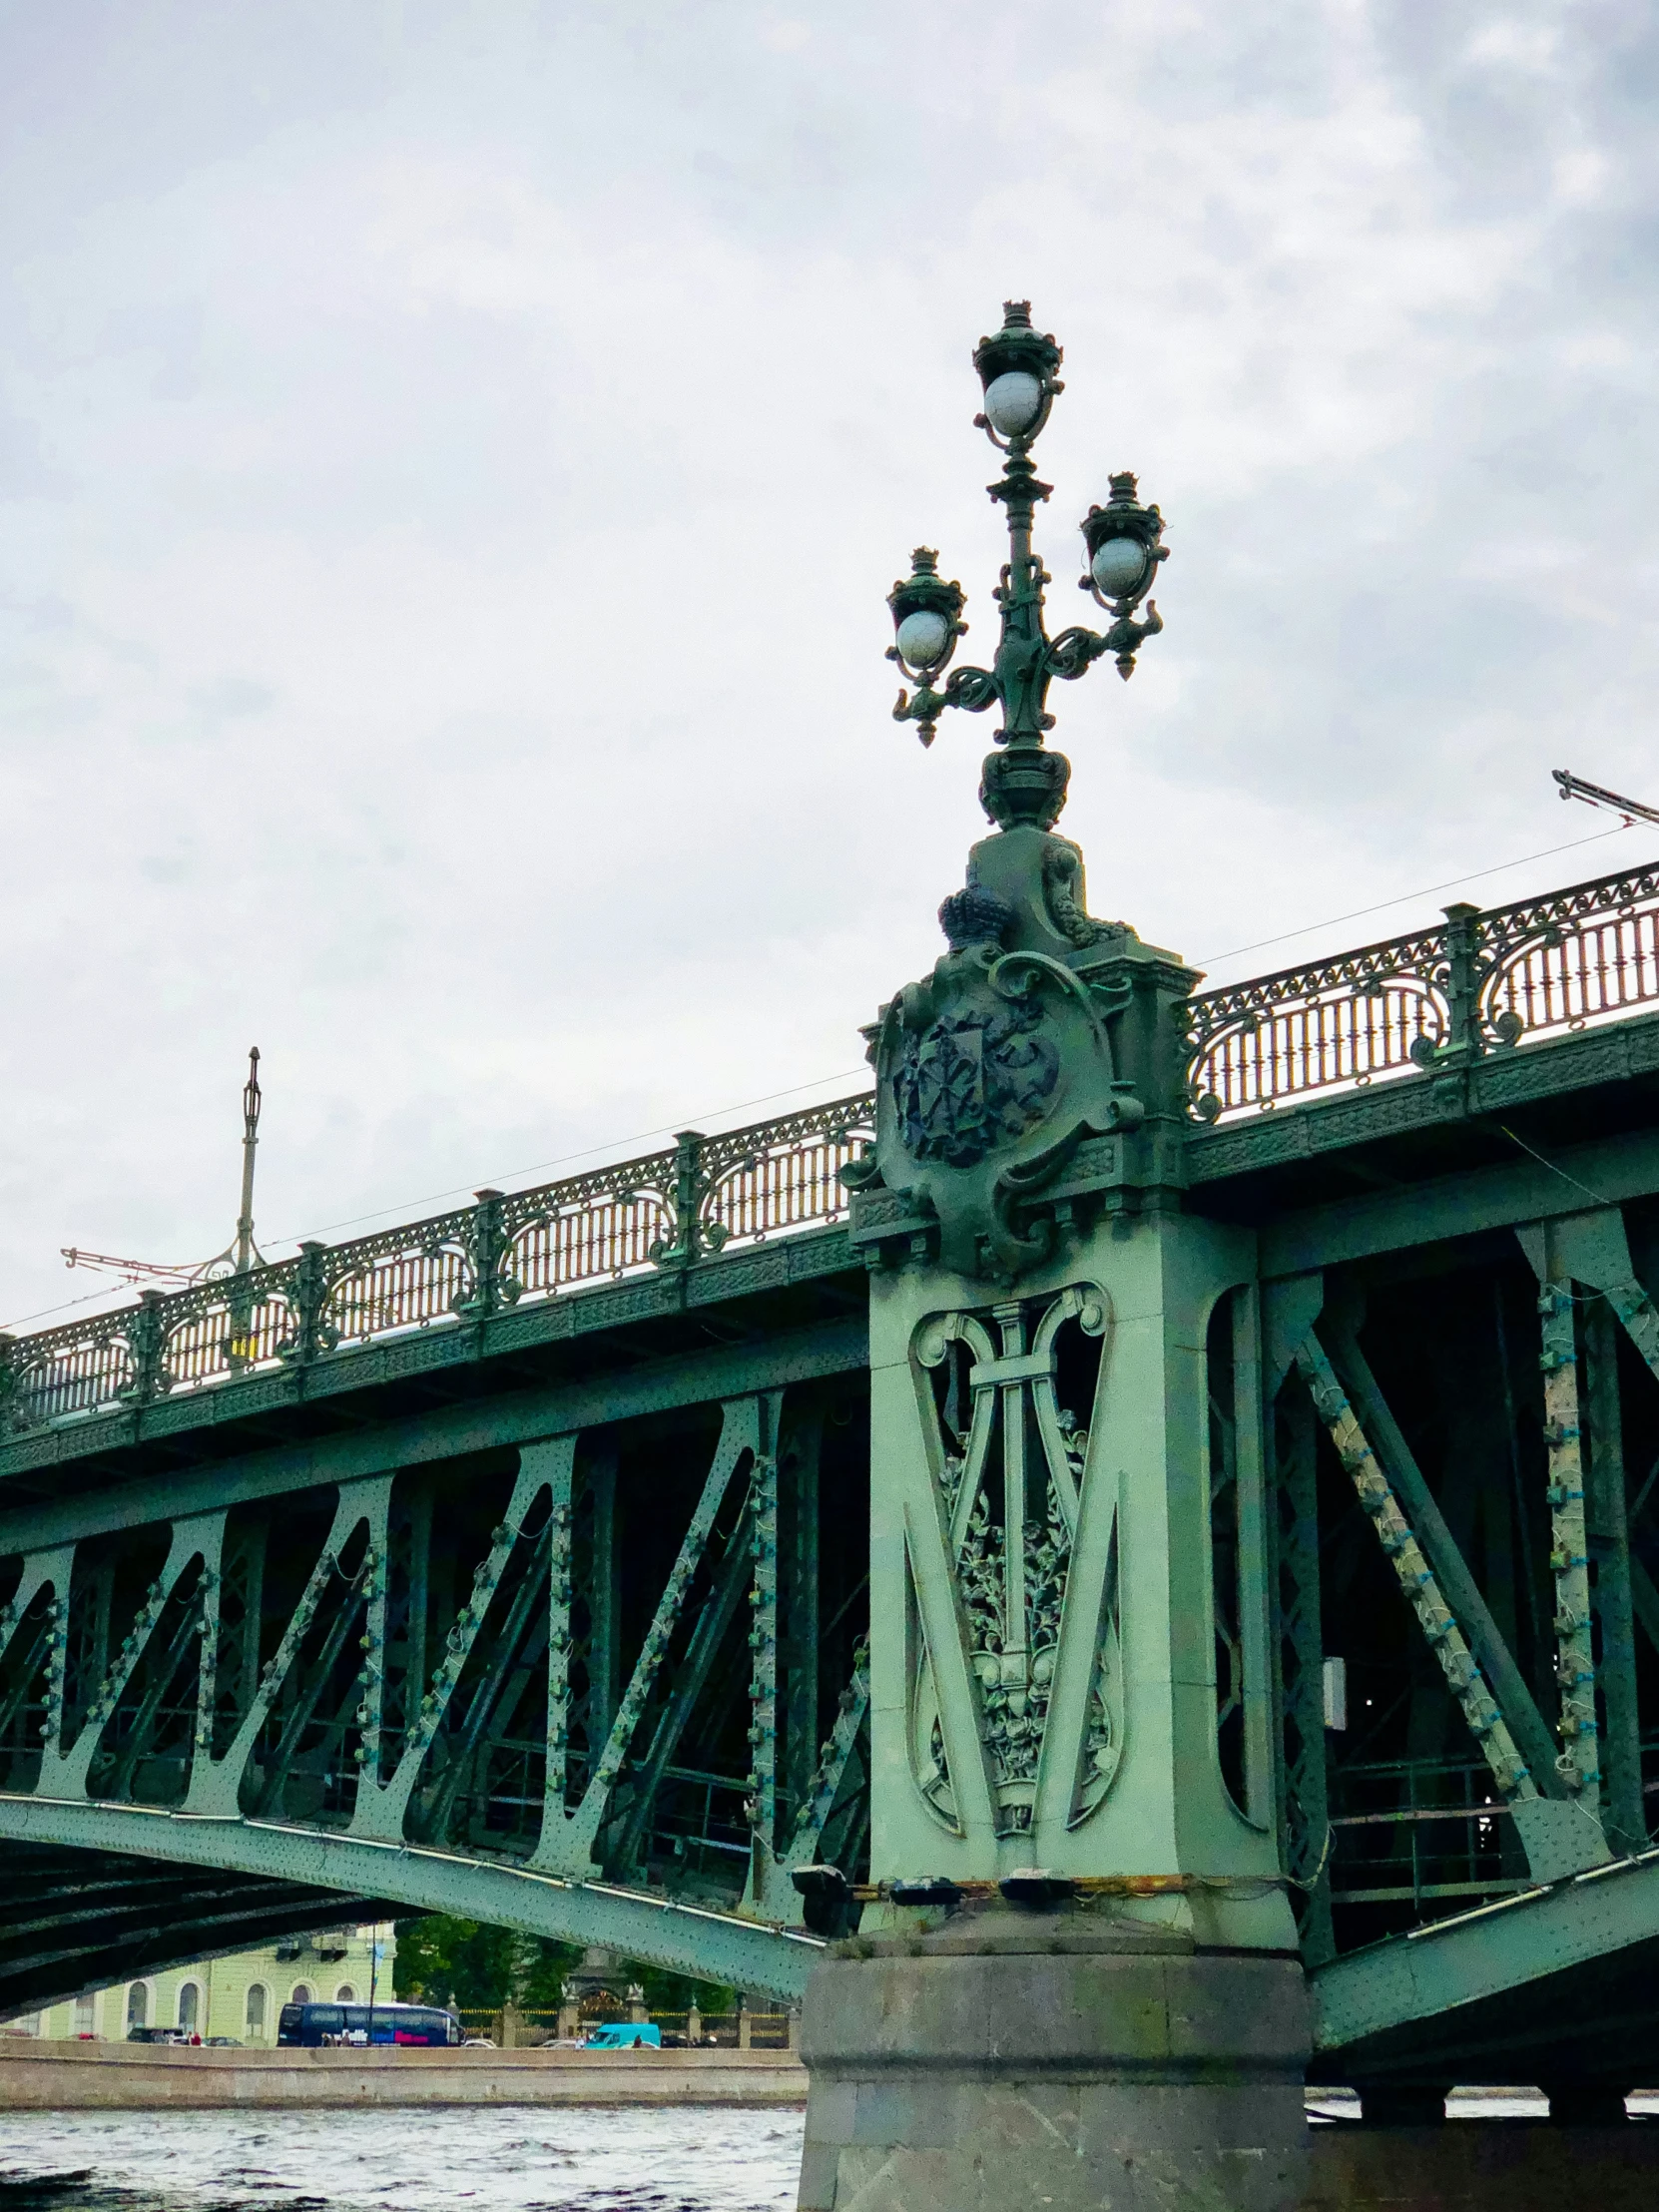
column 1041, row 2062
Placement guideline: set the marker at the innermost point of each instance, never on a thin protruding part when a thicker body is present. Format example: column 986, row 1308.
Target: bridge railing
column 1482, row 982
column 670, row 1208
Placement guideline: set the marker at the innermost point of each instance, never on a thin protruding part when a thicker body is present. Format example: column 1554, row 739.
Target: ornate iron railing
column 664, row 1211
column 1479, row 983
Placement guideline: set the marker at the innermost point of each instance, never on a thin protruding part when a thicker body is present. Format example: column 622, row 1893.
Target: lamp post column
column 1079, row 1981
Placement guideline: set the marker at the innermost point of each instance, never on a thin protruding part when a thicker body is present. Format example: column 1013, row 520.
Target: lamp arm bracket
column 972, row 688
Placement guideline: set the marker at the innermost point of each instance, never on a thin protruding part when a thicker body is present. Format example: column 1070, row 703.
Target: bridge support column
column 1078, row 1983
column 1041, row 2059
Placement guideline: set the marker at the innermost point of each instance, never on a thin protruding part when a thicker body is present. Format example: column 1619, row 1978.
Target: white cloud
column 455, row 460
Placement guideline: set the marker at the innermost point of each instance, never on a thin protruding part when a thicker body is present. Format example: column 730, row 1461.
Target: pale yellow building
column 236, row 1999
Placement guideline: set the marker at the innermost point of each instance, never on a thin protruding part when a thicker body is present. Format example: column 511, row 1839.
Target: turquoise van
column 626, row 2035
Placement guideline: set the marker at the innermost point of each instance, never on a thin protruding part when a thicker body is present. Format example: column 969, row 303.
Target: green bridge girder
column 584, row 1581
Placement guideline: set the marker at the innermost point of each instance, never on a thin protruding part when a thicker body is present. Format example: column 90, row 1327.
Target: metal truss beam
column 1416, row 1579
column 1462, row 1594
column 1467, row 1205
column 1402, row 1986
column 699, row 1378
column 690, row 1939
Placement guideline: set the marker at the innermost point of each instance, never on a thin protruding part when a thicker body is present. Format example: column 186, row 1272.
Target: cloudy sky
column 454, row 453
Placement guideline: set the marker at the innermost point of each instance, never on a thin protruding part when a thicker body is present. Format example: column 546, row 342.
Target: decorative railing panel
column 663, row 1211
column 229, row 1333
column 405, row 1288
column 1561, row 981
column 582, row 1243
column 1481, row 983
column 783, row 1176
column 91, row 1371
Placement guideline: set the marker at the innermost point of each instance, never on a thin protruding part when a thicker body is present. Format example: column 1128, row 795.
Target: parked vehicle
column 157, row 2036
column 416, row 2024
column 626, row 2035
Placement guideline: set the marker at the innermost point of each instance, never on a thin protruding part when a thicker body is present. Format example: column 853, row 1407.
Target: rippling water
column 483, row 2159
column 673, row 2159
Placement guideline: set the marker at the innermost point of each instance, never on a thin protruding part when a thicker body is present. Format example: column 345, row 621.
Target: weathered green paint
column 1142, row 1529
column 1607, row 1538
column 686, row 1938
column 1257, row 1610
column 833, row 1348
column 1487, row 1953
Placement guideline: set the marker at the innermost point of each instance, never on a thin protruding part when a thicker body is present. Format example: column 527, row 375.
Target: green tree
column 478, row 1969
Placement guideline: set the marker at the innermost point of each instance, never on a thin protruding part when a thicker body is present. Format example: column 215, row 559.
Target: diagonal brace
column 1416, row 1578
column 567, row 1839
column 1463, row 1599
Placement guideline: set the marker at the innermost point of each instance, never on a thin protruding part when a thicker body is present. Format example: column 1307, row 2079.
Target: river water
column 677, row 2158
column 521, row 2159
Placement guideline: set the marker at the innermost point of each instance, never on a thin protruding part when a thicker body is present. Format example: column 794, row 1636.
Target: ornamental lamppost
column 1025, row 782
column 1074, row 1830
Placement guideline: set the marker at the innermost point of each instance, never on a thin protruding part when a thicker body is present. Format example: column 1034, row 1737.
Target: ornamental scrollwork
column 1009, row 1400
column 1432, row 1001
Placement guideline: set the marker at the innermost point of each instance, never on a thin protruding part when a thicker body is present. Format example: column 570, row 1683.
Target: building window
column 190, row 1999
column 255, row 2008
column 137, row 2005
column 86, row 2008
column 345, row 1995
column 301, row 1994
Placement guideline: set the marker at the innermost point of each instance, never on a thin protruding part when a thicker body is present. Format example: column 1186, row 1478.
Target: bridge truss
column 514, row 1563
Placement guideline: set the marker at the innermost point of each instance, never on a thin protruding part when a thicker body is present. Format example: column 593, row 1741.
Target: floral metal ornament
column 1008, row 1423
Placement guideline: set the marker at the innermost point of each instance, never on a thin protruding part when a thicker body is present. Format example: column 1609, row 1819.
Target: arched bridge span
column 518, row 1564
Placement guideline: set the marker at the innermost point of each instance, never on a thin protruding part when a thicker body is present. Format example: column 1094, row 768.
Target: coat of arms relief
column 993, row 1069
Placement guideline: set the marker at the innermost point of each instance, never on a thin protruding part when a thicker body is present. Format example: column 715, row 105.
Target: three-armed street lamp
column 1061, row 1840
column 1025, row 782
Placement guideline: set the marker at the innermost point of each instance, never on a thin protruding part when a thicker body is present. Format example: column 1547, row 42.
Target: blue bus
column 415, row 2024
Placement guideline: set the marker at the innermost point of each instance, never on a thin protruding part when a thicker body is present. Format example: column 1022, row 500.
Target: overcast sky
column 454, row 456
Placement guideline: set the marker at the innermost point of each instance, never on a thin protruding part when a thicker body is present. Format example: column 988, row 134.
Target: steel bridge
column 517, row 1562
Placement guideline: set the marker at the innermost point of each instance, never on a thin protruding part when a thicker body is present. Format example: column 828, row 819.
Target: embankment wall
column 105, row 2076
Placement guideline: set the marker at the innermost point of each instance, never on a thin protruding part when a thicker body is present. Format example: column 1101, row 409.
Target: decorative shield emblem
column 972, row 1082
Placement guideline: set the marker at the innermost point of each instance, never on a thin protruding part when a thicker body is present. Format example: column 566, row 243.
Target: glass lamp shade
column 1013, row 402
column 1118, row 566
column 924, row 637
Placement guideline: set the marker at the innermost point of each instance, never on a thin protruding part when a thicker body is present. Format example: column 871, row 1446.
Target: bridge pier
column 1078, row 1983
column 1069, row 2059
